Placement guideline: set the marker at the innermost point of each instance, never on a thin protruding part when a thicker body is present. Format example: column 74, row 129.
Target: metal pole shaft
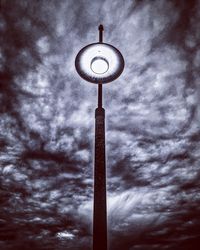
column 101, row 29
column 100, row 205
column 100, row 95
column 100, row 87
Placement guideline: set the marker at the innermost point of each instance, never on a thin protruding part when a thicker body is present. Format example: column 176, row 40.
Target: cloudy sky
column 47, row 124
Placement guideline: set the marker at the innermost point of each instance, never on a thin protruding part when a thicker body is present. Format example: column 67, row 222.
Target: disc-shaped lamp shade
column 99, row 63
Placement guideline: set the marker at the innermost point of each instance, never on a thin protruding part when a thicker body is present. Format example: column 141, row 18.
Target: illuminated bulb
column 99, row 65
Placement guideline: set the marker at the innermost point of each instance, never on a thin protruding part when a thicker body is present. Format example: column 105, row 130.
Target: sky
column 47, row 125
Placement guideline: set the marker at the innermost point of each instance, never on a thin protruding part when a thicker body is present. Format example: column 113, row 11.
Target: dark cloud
column 47, row 125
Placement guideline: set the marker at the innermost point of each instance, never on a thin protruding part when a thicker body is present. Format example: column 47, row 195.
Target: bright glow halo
column 99, row 63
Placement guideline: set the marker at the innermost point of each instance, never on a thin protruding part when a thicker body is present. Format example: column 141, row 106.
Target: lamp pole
column 100, row 205
column 99, row 63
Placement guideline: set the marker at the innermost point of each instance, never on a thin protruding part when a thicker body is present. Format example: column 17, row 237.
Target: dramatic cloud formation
column 47, row 125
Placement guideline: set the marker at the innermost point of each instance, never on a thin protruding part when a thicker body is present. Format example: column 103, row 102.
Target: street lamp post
column 99, row 63
column 100, row 206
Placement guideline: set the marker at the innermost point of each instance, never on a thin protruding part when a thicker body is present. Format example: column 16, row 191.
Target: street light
column 99, row 63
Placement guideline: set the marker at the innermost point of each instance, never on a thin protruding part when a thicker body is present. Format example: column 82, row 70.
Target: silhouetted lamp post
column 99, row 63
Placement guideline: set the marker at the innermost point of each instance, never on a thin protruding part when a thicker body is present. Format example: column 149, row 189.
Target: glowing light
column 99, row 63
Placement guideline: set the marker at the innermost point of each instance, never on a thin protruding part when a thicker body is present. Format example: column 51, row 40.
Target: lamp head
column 99, row 63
